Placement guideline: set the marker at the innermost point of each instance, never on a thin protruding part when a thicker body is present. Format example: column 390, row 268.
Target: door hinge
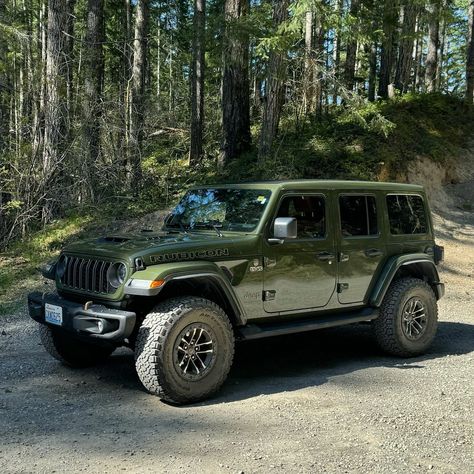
column 269, row 295
column 342, row 286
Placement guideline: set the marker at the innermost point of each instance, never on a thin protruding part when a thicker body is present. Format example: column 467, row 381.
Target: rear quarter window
column 406, row 214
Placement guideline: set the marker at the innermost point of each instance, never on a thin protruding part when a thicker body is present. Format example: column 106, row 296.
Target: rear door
column 361, row 247
column 301, row 273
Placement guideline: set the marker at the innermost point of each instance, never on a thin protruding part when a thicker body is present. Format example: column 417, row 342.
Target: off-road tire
column 388, row 330
column 71, row 351
column 157, row 340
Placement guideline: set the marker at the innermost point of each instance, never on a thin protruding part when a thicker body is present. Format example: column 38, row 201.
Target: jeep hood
column 164, row 246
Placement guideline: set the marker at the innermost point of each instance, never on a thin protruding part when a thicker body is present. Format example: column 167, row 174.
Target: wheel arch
column 209, row 285
column 417, row 265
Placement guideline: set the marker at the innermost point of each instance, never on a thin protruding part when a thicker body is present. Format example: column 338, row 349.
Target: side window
column 310, row 214
column 406, row 214
column 358, row 215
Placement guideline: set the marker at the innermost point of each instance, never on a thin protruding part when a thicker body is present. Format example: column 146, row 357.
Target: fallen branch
column 164, row 130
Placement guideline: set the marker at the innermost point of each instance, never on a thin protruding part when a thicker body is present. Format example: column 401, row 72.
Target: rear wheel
column 71, row 351
column 408, row 318
column 184, row 349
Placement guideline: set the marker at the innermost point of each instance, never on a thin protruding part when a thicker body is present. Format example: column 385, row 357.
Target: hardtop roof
column 320, row 184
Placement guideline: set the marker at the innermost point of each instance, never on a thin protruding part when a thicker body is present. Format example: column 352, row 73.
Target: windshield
column 222, row 209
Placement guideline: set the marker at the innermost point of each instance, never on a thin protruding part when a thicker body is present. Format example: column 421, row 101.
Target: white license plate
column 53, row 314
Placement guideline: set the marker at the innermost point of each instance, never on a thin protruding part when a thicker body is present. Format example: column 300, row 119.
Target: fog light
column 100, row 325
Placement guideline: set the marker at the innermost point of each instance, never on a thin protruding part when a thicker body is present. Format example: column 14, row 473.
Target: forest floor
column 328, row 401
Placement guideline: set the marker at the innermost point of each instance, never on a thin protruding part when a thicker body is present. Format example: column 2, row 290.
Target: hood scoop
column 112, row 239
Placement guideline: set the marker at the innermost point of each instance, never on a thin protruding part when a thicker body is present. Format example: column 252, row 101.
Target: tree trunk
column 388, row 52
column 442, row 45
column 197, row 82
column 318, row 75
column 137, row 94
column 94, row 73
column 55, row 100
column 308, row 85
column 351, row 50
column 433, row 45
column 470, row 57
column 337, row 50
column 235, row 84
column 69, row 52
column 372, row 71
column 418, row 53
column 405, row 50
column 274, row 88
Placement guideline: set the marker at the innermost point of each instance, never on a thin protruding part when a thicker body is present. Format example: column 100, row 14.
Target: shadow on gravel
column 293, row 362
column 265, row 366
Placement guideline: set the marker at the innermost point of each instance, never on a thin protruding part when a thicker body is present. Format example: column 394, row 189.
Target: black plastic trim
column 74, row 315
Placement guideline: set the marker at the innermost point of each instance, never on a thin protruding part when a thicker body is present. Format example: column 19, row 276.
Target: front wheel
column 184, row 349
column 408, row 318
column 72, row 351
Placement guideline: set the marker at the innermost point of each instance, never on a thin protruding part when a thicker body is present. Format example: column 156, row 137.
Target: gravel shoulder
column 328, row 401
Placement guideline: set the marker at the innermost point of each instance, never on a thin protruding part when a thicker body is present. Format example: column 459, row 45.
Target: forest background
column 111, row 108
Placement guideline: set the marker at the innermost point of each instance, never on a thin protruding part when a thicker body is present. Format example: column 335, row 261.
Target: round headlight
column 116, row 274
column 61, row 266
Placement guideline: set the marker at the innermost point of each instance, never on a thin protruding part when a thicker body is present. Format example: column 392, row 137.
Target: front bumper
column 97, row 321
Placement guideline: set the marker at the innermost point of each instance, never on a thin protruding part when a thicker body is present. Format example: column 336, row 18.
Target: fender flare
column 181, row 271
column 424, row 265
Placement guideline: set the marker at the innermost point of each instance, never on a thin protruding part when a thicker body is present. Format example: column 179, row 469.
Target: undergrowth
column 367, row 141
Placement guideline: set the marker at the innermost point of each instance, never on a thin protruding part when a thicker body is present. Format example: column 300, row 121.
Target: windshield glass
column 222, row 209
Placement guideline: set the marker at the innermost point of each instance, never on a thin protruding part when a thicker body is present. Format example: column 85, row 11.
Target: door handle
column 373, row 253
column 325, row 256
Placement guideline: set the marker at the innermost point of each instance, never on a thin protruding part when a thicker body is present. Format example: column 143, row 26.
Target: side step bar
column 257, row 331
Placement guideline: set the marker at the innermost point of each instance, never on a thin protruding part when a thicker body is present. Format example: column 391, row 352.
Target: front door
column 301, row 273
column 361, row 247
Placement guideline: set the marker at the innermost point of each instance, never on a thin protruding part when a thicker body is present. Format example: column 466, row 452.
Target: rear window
column 407, row 214
column 358, row 215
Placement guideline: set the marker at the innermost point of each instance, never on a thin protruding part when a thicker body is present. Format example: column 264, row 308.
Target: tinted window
column 358, row 215
column 406, row 214
column 309, row 212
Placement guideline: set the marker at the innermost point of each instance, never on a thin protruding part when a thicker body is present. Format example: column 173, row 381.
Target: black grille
column 87, row 274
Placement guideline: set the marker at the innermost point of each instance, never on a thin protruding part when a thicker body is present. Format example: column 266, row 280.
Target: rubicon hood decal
column 174, row 256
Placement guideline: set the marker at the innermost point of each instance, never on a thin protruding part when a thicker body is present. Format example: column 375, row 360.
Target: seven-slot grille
column 87, row 274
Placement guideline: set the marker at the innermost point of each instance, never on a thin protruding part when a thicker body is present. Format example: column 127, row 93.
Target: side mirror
column 285, row 228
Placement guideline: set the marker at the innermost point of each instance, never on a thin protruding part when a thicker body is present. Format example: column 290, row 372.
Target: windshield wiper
column 210, row 225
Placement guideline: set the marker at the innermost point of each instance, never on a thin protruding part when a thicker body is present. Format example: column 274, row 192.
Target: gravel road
column 328, row 401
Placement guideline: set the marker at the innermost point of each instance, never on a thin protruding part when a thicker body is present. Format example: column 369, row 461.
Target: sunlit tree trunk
column 93, row 72
column 433, row 45
column 55, row 100
column 309, row 60
column 470, row 57
column 138, row 94
column 197, row 82
column 337, row 49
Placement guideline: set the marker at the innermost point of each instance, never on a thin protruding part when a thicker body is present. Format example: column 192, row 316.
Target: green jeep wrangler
column 241, row 262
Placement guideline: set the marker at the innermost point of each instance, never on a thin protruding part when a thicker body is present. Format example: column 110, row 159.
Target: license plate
column 53, row 314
